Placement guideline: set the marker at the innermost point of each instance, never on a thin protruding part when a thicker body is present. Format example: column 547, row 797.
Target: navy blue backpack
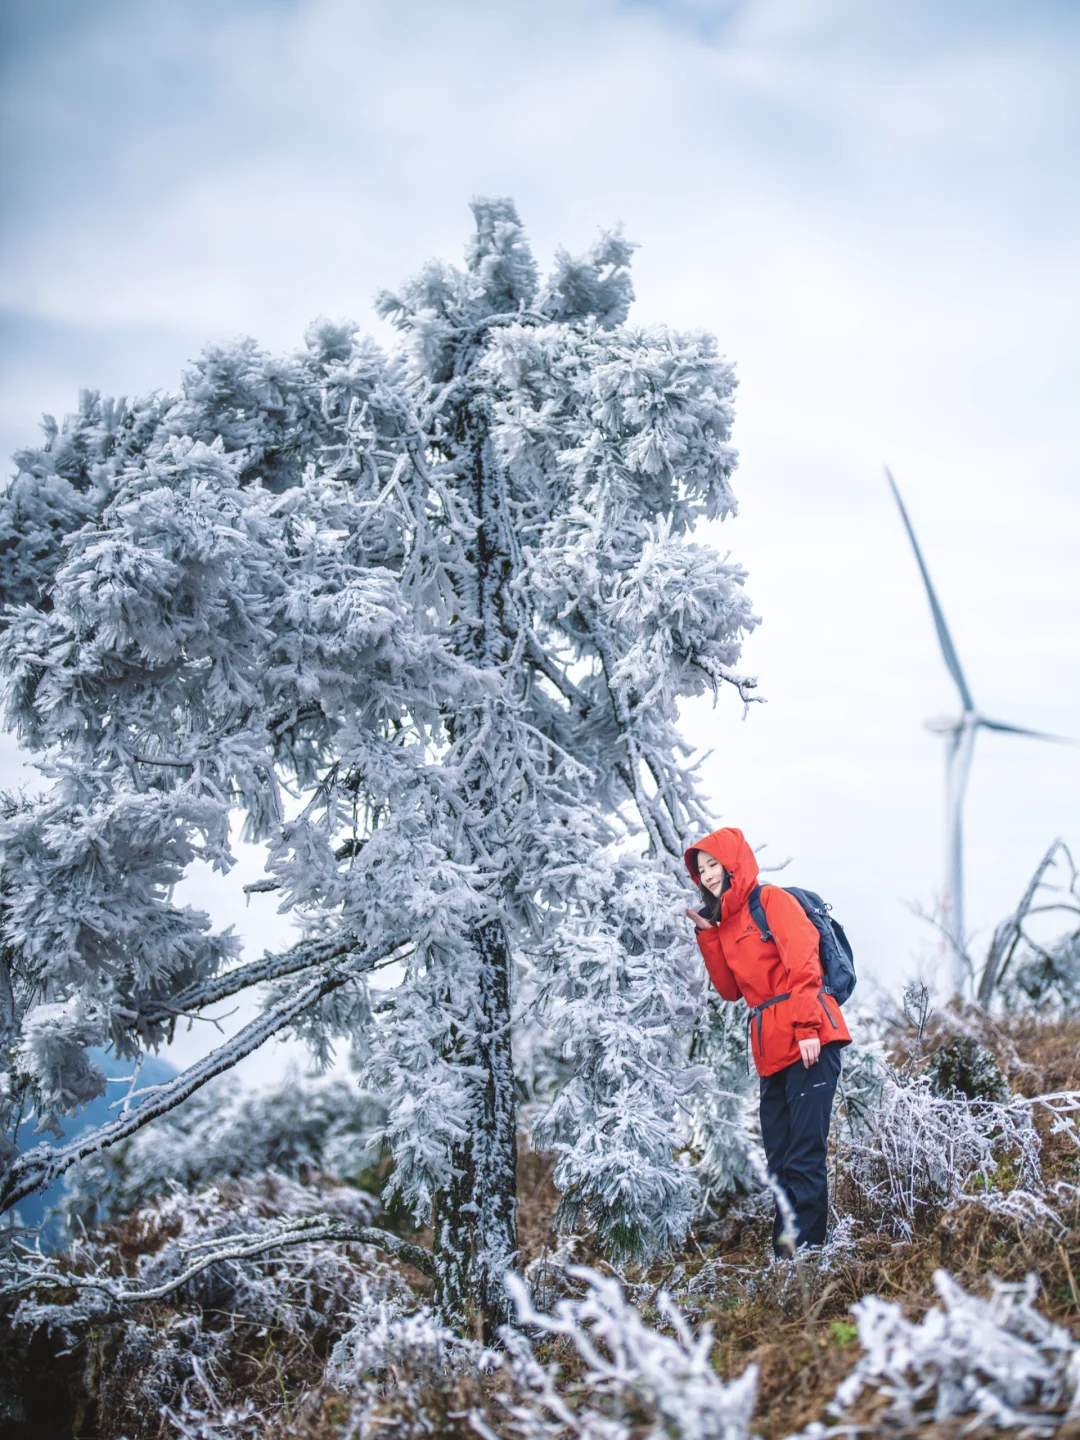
column 834, row 948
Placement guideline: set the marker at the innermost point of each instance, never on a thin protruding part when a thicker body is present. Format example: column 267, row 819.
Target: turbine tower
column 959, row 747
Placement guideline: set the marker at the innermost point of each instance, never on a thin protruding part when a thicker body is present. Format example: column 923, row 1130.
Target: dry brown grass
column 1036, row 1056
column 537, row 1201
column 799, row 1332
column 793, row 1323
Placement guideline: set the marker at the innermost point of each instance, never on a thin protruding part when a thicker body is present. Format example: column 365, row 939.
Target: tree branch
column 655, row 818
column 1008, row 934
column 298, row 1232
column 39, row 1167
column 723, row 675
column 304, row 956
column 535, row 656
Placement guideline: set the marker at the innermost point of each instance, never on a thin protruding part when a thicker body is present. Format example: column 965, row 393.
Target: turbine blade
column 1023, row 730
column 948, row 649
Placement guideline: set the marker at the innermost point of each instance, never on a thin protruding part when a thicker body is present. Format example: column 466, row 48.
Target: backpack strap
column 757, row 913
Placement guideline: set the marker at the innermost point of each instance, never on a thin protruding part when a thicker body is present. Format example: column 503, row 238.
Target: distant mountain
column 34, row 1210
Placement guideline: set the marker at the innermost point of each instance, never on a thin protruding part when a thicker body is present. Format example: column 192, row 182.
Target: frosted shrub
column 922, row 1152
column 411, row 1375
column 859, row 1091
column 288, row 1290
column 997, row 1359
column 415, row 1377
column 965, row 1066
column 414, row 1340
column 637, row 1379
column 184, row 1352
column 386, row 1343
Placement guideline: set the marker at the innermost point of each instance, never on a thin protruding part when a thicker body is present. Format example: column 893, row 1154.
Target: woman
column 797, row 1029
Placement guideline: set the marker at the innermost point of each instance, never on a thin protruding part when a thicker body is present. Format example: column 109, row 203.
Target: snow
column 419, row 622
column 993, row 1359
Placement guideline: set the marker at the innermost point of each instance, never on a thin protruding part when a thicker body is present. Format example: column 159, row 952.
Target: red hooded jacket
column 739, row 962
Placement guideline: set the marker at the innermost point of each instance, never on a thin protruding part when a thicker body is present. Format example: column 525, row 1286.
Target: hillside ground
column 791, row 1320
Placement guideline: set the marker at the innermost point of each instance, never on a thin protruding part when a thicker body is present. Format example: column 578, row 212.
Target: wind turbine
column 959, row 747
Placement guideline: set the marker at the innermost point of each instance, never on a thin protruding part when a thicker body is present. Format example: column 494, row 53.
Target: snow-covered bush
column 635, row 1375
column 389, row 1341
column 920, row 1152
column 724, row 1110
column 187, row 1348
column 303, row 1128
column 998, row 1360
column 411, row 1377
column 201, row 1234
column 859, row 1090
column 630, row 1376
column 965, row 1066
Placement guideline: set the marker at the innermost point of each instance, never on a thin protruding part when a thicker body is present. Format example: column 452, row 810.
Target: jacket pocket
column 821, row 994
column 757, row 1018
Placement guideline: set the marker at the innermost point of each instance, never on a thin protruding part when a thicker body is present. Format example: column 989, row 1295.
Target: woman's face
column 710, row 870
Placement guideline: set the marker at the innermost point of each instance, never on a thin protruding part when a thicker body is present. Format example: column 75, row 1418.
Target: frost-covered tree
column 422, row 620
column 723, row 1133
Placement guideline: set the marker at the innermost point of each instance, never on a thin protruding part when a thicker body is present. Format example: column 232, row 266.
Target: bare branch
column 1009, row 933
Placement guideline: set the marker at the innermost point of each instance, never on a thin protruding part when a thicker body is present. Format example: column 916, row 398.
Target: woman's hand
column 699, row 920
column 810, row 1050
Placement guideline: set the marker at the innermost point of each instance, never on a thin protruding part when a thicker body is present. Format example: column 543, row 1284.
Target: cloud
column 871, row 204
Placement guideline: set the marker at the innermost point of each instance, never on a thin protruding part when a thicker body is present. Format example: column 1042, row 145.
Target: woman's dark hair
column 711, row 908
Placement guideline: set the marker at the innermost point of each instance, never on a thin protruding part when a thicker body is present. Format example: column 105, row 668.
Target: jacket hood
column 730, row 848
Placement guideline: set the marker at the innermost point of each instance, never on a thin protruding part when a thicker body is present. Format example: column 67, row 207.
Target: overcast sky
column 872, row 205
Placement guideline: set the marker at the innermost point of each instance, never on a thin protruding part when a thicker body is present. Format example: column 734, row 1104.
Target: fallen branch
column 1010, row 932
column 298, row 1232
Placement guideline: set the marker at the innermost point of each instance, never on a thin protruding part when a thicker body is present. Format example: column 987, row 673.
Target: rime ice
column 449, row 595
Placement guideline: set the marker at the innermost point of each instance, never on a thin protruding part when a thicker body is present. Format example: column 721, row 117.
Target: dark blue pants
column 796, row 1105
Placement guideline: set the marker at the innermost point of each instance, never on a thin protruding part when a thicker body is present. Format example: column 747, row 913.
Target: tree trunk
column 475, row 1217
column 475, row 1220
